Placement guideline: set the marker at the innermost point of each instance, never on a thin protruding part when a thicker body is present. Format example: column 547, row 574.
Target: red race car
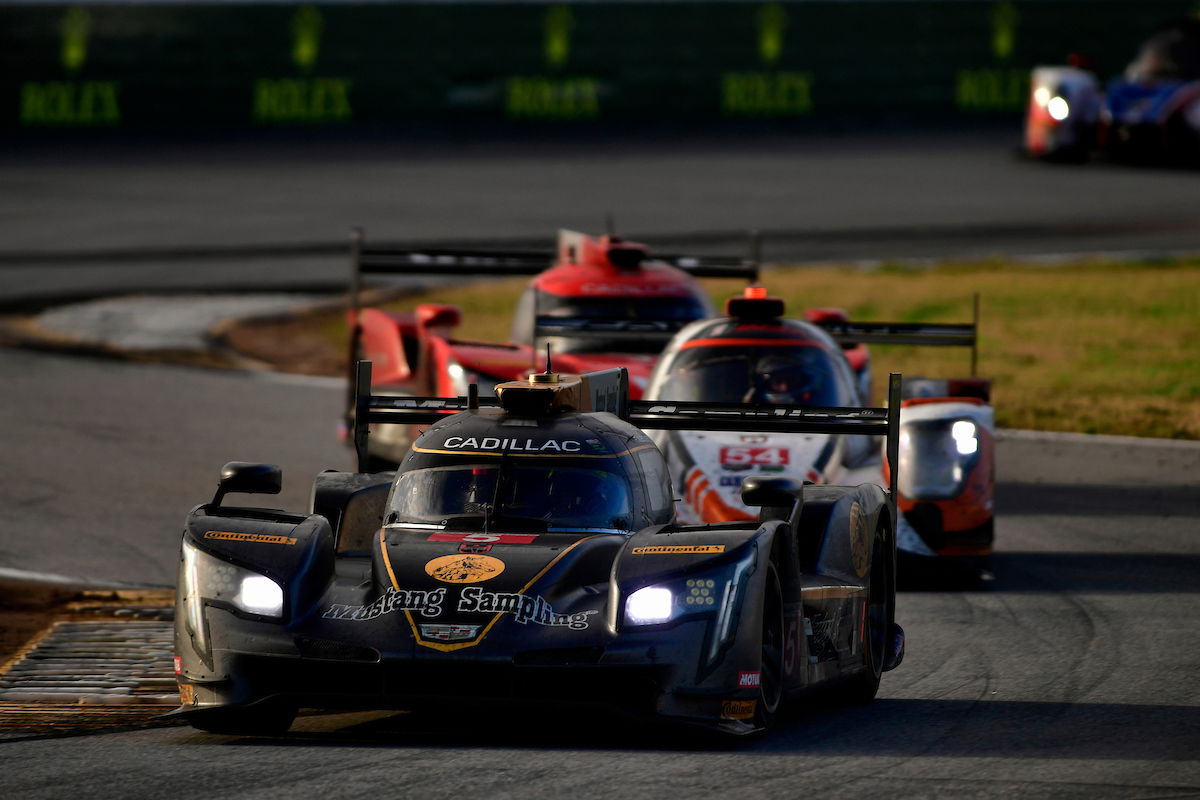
column 597, row 302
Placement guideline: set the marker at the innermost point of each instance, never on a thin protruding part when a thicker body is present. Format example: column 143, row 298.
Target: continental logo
column 469, row 568
column 738, row 709
column 261, row 538
column 678, row 549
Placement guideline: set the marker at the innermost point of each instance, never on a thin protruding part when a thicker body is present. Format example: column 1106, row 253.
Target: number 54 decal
column 754, row 457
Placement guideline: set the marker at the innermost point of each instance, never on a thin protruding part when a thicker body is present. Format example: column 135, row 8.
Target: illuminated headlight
column 258, row 594
column 1058, row 108
column 936, row 457
column 458, row 377
column 718, row 593
column 209, row 578
column 649, row 605
column 965, row 439
column 1041, row 96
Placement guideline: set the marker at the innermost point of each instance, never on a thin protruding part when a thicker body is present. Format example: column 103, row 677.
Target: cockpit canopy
column 570, row 471
column 536, row 497
column 781, row 373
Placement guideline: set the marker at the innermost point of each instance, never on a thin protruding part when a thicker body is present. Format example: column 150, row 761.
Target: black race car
column 527, row 548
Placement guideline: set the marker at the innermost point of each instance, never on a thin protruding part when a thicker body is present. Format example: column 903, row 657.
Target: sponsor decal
column 753, row 439
column 178, row 665
column 449, row 633
column 470, row 568
column 731, row 480
column 636, row 289
column 791, row 647
column 484, row 538
column 675, row 549
column 860, row 542
column 743, row 457
column 738, row 709
column 749, row 680
column 524, row 608
column 261, row 538
column 429, row 603
column 512, row 445
column 187, row 694
column 474, row 548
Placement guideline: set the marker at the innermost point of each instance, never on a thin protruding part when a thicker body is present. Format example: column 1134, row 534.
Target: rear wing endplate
column 915, row 333
column 609, row 391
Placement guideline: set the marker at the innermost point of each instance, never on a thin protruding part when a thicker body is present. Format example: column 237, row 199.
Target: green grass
column 1091, row 346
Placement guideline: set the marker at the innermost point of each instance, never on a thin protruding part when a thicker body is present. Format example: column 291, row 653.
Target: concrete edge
column 27, row 589
column 1065, row 437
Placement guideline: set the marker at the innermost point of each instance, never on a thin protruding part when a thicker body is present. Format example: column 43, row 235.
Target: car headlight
column 1058, row 108
column 717, row 593
column 208, row 578
column 936, row 457
column 650, row 605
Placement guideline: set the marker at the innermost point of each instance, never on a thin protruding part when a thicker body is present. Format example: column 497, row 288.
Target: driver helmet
column 780, row 380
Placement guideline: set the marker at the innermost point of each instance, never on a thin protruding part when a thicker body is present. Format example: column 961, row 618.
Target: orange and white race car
column 757, row 355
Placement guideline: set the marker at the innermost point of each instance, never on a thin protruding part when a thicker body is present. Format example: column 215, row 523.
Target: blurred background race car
column 756, row 355
column 1151, row 113
column 596, row 301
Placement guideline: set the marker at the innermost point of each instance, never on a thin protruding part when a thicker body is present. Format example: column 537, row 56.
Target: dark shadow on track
column 887, row 727
column 1056, row 572
column 1055, row 499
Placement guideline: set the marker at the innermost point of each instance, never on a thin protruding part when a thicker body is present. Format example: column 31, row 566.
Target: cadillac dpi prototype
column 756, row 355
column 1152, row 113
column 527, row 549
column 597, row 302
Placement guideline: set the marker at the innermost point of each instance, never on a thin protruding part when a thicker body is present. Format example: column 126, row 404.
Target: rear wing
column 381, row 260
column 917, row 333
column 608, row 390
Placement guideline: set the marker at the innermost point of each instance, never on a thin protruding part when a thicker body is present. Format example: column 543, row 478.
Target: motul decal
column 524, row 608
column 469, row 568
column 429, row 603
column 754, row 456
column 738, row 709
column 749, row 680
column 484, row 538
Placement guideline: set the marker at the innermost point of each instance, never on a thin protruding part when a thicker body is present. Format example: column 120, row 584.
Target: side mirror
column 777, row 492
column 432, row 316
column 246, row 476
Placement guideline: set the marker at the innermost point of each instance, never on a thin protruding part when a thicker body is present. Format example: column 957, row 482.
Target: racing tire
column 771, row 675
column 881, row 614
column 258, row 720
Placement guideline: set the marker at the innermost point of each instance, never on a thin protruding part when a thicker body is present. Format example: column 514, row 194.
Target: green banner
column 332, row 64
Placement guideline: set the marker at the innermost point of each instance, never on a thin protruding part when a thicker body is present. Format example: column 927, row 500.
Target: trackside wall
column 167, row 64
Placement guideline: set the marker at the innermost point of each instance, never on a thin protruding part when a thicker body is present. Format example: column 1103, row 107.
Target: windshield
column 546, row 498
column 678, row 309
column 791, row 375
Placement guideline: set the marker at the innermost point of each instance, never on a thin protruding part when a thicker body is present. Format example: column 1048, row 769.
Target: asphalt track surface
column 1073, row 674
column 152, row 214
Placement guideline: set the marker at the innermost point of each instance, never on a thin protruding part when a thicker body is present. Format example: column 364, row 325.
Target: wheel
column 881, row 613
column 258, row 720
column 770, row 692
